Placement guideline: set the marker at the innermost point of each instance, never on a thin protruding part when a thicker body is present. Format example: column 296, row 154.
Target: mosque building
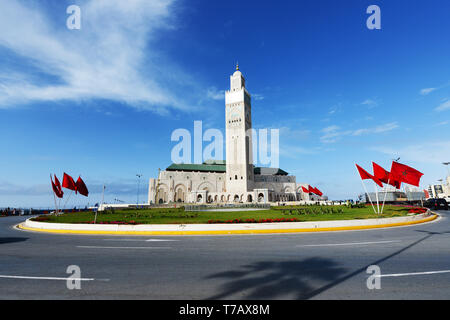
column 235, row 180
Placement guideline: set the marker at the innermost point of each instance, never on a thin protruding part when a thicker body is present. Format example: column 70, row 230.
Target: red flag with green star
column 403, row 173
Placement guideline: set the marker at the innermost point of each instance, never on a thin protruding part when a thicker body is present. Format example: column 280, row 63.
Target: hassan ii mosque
column 235, row 180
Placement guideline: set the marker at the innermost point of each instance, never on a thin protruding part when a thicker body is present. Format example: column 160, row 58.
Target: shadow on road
column 12, row 240
column 269, row 280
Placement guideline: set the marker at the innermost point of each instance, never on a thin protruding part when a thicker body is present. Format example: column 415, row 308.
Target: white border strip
column 348, row 244
column 225, row 227
column 412, row 274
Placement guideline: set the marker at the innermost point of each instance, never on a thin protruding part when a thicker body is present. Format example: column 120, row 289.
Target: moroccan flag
column 427, row 194
column 57, row 187
column 318, row 192
column 365, row 176
column 69, row 183
column 385, row 176
column 394, row 183
column 310, row 189
column 380, row 173
column 403, row 173
column 81, row 187
column 363, row 173
column 305, row 190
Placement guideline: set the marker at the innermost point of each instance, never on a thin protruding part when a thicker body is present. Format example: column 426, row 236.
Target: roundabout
column 225, row 229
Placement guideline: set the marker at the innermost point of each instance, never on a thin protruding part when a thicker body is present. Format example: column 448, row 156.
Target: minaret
column 238, row 117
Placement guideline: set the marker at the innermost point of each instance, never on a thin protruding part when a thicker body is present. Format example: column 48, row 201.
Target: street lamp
column 139, row 181
column 157, row 187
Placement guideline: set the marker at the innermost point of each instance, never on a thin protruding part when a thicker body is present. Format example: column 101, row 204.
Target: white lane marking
column 137, row 240
column 412, row 274
column 99, row 247
column 347, row 244
column 50, row 278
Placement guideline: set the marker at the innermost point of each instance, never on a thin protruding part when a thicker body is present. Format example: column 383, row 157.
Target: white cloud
column 426, row 91
column 334, row 109
column 379, row 129
column 215, row 94
column 442, row 123
column 443, row 106
column 333, row 133
column 294, row 134
column 257, row 97
column 293, row 152
column 432, row 152
column 369, row 103
column 114, row 56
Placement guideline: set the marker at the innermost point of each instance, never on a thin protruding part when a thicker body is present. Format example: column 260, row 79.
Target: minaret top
column 238, row 74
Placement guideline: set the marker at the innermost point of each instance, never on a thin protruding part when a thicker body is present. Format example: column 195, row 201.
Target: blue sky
column 102, row 102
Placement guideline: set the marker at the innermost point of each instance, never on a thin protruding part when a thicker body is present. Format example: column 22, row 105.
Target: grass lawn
column 179, row 216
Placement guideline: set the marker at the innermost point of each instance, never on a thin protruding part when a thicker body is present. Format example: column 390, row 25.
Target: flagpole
column 54, row 197
column 385, row 194
column 378, row 203
column 368, row 195
column 68, row 199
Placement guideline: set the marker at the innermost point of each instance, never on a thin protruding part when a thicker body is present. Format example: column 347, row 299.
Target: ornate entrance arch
column 260, row 197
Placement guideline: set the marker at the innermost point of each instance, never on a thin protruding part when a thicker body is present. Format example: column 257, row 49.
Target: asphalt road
column 414, row 263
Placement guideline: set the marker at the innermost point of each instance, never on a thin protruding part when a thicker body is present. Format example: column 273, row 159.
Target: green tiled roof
column 198, row 167
column 220, row 167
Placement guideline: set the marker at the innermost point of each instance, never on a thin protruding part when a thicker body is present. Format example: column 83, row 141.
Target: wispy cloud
column 334, row 109
column 426, row 91
column 443, row 106
column 442, row 123
column 379, row 129
column 430, row 152
column 114, row 56
column 333, row 133
column 257, row 97
column 215, row 94
column 370, row 103
column 294, row 133
column 293, row 152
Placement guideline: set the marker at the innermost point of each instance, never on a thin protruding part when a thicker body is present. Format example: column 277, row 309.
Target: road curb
column 273, row 228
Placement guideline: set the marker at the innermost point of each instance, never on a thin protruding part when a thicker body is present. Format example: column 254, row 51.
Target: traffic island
column 226, row 228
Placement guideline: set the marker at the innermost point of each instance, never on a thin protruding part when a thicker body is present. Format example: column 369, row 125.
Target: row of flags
column 312, row 190
column 69, row 183
column 400, row 173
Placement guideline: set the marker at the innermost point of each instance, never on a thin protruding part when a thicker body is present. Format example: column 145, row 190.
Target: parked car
column 436, row 204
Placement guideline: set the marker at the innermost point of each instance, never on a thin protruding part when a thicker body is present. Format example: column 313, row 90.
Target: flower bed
column 253, row 221
column 111, row 222
column 418, row 210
